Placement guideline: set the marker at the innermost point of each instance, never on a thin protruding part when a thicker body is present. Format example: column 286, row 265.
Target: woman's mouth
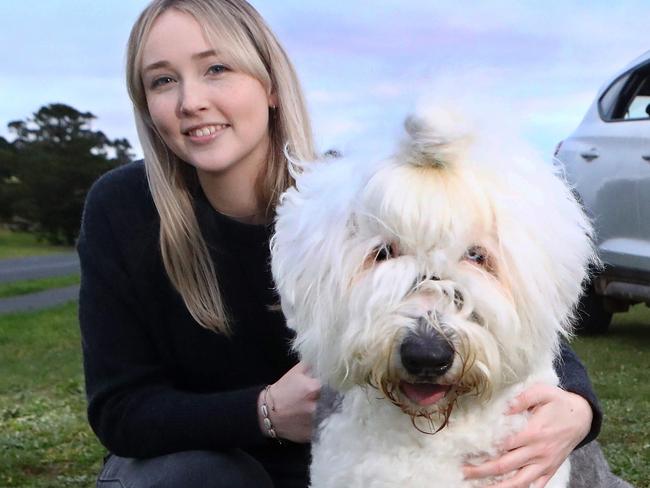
column 205, row 133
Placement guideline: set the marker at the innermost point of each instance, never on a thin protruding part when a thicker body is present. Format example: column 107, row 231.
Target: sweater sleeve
column 133, row 407
column 573, row 377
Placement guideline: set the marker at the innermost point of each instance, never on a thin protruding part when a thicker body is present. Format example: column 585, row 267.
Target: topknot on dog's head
column 436, row 139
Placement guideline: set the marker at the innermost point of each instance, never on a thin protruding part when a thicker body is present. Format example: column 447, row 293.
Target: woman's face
column 210, row 116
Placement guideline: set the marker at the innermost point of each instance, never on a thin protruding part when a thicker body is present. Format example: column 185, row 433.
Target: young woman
column 189, row 373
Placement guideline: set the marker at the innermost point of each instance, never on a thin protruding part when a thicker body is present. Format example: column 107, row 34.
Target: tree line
column 48, row 168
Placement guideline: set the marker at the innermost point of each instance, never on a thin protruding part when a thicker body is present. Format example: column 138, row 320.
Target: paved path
column 59, row 264
column 34, row 267
column 37, row 301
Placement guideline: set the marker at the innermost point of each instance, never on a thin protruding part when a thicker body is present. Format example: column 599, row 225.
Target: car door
column 607, row 159
column 638, row 116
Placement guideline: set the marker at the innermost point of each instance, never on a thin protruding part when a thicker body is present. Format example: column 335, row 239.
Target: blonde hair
column 253, row 49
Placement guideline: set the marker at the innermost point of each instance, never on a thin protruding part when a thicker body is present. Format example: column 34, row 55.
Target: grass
column 22, row 244
column 46, row 442
column 24, row 287
column 44, row 438
column 618, row 365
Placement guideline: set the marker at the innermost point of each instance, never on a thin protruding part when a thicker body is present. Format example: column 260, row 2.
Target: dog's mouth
column 424, row 394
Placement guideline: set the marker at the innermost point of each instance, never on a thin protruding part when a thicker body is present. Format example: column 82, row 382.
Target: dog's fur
column 459, row 249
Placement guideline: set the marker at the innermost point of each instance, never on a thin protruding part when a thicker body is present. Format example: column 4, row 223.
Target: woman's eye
column 161, row 81
column 217, row 69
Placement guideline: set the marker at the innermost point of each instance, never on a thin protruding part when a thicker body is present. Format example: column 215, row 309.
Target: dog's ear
column 310, row 249
column 545, row 244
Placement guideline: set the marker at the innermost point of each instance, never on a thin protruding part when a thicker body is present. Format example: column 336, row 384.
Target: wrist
column 582, row 410
column 260, row 415
column 265, row 409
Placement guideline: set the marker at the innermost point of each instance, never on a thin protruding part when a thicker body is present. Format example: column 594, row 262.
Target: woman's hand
column 292, row 404
column 559, row 421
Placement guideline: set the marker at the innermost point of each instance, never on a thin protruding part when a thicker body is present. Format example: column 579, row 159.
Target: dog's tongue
column 424, row 394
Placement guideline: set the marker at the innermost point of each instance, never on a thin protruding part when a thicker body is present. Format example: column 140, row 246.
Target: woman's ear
column 273, row 100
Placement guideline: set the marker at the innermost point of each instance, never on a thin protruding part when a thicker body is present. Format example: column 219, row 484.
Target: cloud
column 364, row 66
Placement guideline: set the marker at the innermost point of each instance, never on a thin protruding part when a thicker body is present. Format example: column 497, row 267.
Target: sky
column 364, row 64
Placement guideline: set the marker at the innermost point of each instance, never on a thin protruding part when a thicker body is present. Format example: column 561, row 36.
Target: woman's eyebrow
column 156, row 65
column 205, row 54
column 164, row 64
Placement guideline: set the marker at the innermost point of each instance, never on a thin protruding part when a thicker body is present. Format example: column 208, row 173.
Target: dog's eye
column 477, row 254
column 384, row 252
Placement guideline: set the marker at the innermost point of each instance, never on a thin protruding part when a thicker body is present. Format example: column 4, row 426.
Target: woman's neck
column 232, row 196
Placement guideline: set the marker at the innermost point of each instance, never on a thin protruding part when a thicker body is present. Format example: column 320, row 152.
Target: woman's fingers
column 558, row 421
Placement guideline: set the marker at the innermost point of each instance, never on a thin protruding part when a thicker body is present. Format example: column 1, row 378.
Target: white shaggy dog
column 428, row 290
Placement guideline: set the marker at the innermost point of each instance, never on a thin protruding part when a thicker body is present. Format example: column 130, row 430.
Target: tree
column 56, row 158
column 7, row 163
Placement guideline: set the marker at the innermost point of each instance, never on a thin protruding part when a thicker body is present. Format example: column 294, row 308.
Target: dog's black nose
column 426, row 352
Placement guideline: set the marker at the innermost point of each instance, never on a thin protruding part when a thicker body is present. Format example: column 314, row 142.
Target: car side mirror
column 647, row 109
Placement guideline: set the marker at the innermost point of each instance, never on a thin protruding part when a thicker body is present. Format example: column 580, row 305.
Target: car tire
column 593, row 316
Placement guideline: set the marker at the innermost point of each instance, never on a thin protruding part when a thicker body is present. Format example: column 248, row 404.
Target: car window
column 640, row 105
column 608, row 101
column 628, row 97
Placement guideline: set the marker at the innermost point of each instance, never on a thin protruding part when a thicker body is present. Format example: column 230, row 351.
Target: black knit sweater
column 156, row 381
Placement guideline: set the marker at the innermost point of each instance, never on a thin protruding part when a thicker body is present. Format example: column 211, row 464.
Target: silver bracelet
column 268, row 425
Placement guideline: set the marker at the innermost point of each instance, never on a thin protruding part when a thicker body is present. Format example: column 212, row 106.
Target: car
column 606, row 160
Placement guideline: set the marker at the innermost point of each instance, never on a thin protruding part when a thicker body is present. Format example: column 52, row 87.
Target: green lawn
column 618, row 365
column 24, row 287
column 45, row 441
column 22, row 244
column 44, row 438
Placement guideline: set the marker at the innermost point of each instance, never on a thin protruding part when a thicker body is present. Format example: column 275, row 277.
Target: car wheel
column 593, row 316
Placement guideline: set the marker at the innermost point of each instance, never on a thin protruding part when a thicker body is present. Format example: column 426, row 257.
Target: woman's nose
column 192, row 99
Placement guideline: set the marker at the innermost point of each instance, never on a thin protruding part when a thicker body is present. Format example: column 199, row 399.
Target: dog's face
column 450, row 269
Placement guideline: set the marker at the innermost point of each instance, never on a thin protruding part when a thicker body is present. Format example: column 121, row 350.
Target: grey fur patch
column 589, row 469
column 328, row 404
